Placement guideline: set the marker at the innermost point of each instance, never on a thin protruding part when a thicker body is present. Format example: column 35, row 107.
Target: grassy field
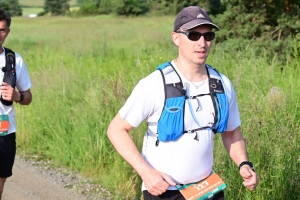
column 26, row 11
column 83, row 70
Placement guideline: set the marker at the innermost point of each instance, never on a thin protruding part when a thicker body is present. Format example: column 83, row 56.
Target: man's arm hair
column 235, row 145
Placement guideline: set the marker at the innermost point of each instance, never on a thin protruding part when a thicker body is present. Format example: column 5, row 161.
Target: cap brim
column 197, row 22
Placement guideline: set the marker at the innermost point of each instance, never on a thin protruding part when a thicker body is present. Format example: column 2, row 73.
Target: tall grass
column 84, row 69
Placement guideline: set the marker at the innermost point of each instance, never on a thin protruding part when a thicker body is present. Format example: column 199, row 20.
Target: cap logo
column 200, row 16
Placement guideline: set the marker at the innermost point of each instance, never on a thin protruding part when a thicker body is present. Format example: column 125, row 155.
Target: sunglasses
column 195, row 36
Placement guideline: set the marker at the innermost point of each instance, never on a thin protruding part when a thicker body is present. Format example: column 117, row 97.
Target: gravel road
column 36, row 180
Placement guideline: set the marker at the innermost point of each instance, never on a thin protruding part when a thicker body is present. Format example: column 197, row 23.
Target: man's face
column 195, row 52
column 4, row 31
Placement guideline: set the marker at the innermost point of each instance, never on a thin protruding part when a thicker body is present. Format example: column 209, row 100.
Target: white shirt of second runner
column 23, row 83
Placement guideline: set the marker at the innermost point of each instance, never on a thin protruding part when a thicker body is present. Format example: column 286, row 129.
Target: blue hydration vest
column 171, row 123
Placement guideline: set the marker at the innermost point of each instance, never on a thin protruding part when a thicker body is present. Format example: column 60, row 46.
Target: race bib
column 203, row 189
column 4, row 125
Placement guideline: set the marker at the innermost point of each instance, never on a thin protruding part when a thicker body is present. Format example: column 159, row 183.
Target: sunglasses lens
column 209, row 36
column 194, row 36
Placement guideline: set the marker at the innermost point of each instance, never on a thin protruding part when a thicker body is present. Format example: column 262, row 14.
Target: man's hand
column 157, row 182
column 9, row 93
column 249, row 176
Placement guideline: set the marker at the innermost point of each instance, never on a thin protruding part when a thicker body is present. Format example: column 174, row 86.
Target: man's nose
column 201, row 42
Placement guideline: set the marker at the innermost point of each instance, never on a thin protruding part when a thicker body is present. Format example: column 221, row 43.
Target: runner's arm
column 118, row 133
column 235, row 145
column 10, row 94
column 27, row 97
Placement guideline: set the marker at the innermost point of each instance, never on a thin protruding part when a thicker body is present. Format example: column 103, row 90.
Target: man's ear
column 175, row 38
column 8, row 31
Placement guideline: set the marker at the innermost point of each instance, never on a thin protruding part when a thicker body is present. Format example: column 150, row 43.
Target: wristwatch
column 247, row 163
column 21, row 97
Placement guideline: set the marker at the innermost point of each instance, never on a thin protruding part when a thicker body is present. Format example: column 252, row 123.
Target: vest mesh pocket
column 221, row 102
column 170, row 124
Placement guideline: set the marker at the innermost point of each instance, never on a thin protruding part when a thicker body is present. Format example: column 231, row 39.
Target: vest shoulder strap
column 9, row 72
column 10, row 57
column 220, row 99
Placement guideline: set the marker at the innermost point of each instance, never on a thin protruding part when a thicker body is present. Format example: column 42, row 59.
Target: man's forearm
column 235, row 145
column 26, row 99
column 121, row 140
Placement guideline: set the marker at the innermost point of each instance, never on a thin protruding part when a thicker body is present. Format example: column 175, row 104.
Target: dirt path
column 32, row 181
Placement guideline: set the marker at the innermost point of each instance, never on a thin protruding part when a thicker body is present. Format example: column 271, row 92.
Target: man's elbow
column 110, row 130
column 118, row 126
column 234, row 135
column 113, row 128
column 27, row 102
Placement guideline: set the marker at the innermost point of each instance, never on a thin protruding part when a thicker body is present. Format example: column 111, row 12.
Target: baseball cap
column 191, row 17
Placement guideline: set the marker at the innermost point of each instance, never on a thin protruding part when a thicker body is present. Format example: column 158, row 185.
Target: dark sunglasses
column 195, row 36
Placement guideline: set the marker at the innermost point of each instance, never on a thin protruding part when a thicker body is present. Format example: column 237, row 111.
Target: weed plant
column 84, row 69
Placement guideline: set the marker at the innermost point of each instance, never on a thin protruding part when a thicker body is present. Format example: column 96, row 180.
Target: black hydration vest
column 9, row 72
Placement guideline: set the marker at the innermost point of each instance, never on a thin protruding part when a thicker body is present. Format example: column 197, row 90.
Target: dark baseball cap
column 191, row 17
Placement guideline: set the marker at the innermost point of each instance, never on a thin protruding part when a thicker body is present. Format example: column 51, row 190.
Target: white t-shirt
column 23, row 83
column 186, row 160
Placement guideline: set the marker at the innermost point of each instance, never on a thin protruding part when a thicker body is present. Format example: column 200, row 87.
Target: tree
column 170, row 7
column 56, row 7
column 12, row 7
column 270, row 25
column 261, row 18
column 131, row 7
column 4, row 6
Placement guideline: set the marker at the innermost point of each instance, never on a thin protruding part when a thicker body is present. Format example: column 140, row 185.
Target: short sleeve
column 234, row 116
column 23, row 80
column 141, row 103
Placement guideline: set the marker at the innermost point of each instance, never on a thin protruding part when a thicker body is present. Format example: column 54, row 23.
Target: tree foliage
column 118, row 7
column 256, row 18
column 172, row 7
column 131, row 7
column 12, row 7
column 96, row 7
column 56, row 7
column 269, row 24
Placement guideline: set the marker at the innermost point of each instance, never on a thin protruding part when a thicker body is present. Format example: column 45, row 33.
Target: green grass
column 26, row 11
column 83, row 70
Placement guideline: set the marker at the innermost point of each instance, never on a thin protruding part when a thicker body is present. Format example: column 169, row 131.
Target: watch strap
column 247, row 163
column 21, row 97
